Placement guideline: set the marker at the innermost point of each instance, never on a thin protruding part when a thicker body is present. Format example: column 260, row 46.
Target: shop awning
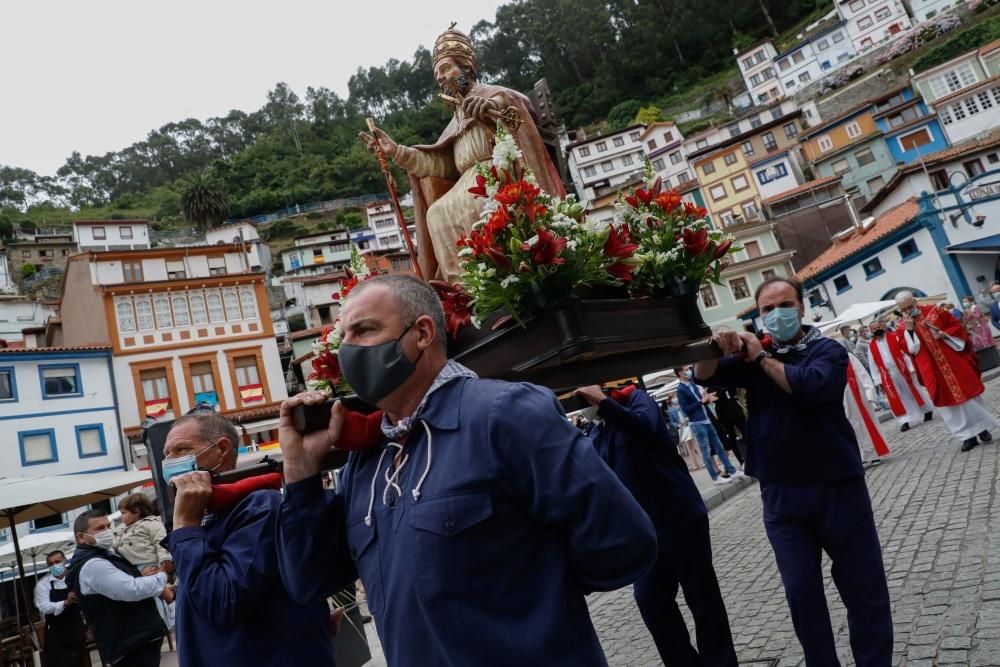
column 988, row 245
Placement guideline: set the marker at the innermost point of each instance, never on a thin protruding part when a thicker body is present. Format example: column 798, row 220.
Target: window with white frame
column 717, row 192
column 602, row 146
column 126, row 318
column 215, row 312
column 217, row 265
column 584, row 151
column 144, row 314
column 791, row 130
column 181, row 316
column 618, row 141
column 248, row 301
column 750, row 211
column 739, row 288
column 708, row 298
column 590, row 171
column 825, row 143
column 953, row 80
column 853, row 129
column 199, row 315
column 232, row 303
column 607, row 165
column 727, row 219
column 747, row 149
column 739, row 183
column 161, row 306
column 634, row 136
column 125, row 232
column 627, row 160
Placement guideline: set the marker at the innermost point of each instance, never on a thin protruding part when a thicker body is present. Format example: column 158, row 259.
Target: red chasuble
column 951, row 377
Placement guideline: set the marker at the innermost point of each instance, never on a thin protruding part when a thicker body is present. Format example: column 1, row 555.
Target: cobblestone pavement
column 939, row 521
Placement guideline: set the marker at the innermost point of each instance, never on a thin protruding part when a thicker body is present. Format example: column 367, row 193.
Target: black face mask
column 375, row 371
column 878, row 333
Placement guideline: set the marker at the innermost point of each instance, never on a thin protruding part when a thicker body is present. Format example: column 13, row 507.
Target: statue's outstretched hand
column 479, row 107
column 384, row 141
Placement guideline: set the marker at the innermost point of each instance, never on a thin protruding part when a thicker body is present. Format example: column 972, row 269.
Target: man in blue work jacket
column 231, row 606
column 480, row 520
column 802, row 449
column 633, row 439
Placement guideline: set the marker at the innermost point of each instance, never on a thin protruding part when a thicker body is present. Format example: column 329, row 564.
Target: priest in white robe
column 893, row 370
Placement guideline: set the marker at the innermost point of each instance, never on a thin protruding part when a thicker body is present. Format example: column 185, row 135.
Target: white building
column 872, row 22
column 814, row 58
column 20, row 312
column 243, row 233
column 317, row 253
column 776, row 173
column 922, row 10
column 604, row 162
column 111, row 234
column 314, row 296
column 751, row 120
column 965, row 92
column 757, row 69
column 382, row 221
column 59, row 412
column 186, row 325
column 664, row 147
column 961, row 213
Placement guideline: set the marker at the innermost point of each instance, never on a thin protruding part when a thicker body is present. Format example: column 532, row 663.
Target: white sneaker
column 722, row 480
column 738, row 473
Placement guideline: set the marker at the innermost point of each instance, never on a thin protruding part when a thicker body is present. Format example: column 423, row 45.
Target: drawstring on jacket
column 392, row 476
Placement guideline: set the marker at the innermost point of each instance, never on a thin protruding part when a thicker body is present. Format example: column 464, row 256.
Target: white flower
column 572, row 244
column 562, row 221
column 508, row 281
column 505, row 153
column 592, row 226
column 482, row 267
column 465, row 252
column 532, row 241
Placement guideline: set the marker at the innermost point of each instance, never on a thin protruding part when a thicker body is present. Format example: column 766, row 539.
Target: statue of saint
column 441, row 174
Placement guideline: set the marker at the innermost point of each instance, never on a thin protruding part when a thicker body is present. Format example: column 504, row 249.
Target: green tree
column 623, row 114
column 203, row 201
column 648, row 115
column 28, row 270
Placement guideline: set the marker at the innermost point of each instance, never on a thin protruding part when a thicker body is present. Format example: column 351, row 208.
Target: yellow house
column 853, row 127
column 730, row 193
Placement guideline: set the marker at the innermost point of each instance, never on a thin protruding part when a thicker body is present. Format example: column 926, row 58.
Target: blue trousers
column 802, row 521
column 686, row 560
column 709, row 442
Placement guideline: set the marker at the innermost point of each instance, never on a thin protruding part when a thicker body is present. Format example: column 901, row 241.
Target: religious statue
column 441, row 174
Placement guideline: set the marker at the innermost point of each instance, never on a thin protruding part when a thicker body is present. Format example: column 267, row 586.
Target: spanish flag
column 252, row 393
column 157, row 407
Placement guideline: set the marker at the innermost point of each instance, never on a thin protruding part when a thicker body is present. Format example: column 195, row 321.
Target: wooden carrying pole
column 394, row 196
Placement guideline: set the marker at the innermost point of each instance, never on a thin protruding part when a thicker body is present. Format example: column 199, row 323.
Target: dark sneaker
column 928, row 416
column 904, row 428
column 985, row 436
column 970, row 443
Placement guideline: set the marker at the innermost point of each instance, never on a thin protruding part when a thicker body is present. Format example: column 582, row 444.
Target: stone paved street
column 939, row 521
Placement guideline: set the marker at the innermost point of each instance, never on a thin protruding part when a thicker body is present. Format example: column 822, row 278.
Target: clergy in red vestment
column 858, row 399
column 948, row 365
column 893, row 370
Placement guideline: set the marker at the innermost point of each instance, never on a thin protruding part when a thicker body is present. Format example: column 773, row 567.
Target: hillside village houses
column 965, row 92
column 111, row 234
column 872, row 22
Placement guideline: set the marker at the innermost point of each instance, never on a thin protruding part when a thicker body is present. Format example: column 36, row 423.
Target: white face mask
column 103, row 540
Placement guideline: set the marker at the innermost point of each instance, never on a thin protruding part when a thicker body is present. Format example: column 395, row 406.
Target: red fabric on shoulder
column 621, row 395
column 360, row 431
column 226, row 496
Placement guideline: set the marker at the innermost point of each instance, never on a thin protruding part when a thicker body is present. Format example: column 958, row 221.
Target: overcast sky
column 98, row 75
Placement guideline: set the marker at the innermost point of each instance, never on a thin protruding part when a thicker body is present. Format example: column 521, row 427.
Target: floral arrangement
column 842, row 76
column 529, row 248
column 918, row 36
column 676, row 244
column 326, row 367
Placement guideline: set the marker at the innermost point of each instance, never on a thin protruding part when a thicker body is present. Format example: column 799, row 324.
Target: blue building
column 909, row 129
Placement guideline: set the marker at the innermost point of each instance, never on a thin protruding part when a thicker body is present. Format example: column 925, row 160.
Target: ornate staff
column 509, row 116
column 391, row 183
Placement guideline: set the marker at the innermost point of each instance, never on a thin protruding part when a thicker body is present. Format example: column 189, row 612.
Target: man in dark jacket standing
column 231, row 606
column 802, row 449
column 634, row 440
column 117, row 600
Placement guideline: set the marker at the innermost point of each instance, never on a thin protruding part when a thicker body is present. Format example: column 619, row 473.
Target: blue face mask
column 996, row 295
column 183, row 464
column 783, row 323
column 58, row 570
column 689, row 374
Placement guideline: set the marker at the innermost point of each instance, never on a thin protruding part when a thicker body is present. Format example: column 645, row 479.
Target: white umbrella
column 26, row 498
column 855, row 313
column 38, row 544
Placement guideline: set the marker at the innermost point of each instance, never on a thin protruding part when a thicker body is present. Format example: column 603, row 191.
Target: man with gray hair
column 231, row 606
column 949, row 368
column 480, row 519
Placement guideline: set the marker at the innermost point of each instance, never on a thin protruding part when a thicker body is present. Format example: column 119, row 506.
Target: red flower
column 669, row 200
column 644, row 196
column 498, row 221
column 346, row 285
column 546, row 249
column 694, row 211
column 500, row 260
column 480, row 189
column 657, row 187
column 326, row 366
column 695, row 242
column 621, row 271
column 632, row 201
column 722, row 249
column 513, row 193
column 455, row 301
column 480, row 240
column 619, row 245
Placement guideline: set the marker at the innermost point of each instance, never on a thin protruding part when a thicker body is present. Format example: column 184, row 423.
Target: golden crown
column 454, row 43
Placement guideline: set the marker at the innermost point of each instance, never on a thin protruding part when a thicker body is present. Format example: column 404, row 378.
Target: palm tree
column 203, row 201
